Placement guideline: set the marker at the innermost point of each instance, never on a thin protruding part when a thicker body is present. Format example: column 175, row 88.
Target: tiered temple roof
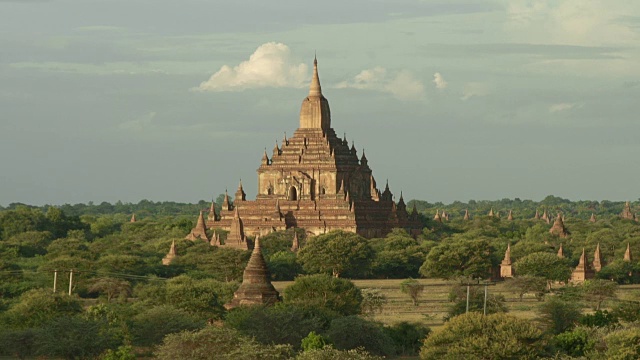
column 316, row 181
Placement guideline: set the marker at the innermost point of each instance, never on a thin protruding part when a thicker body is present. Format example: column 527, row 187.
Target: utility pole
column 55, row 280
column 70, row 280
column 485, row 299
column 468, row 287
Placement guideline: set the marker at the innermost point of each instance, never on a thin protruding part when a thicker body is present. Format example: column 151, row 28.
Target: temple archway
column 293, row 193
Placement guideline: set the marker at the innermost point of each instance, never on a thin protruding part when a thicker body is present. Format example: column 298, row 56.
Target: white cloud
column 577, row 22
column 140, row 124
column 439, row 81
column 474, row 89
column 563, row 106
column 400, row 84
column 270, row 65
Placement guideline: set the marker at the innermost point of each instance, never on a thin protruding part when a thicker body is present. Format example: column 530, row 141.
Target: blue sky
column 452, row 100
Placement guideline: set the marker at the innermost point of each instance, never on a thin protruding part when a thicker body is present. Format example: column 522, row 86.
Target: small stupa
column 510, row 216
column 295, row 246
column 256, row 287
column 236, row 238
column 200, row 231
column 598, row 263
column 626, row 212
column 506, row 270
column 582, row 272
column 558, row 228
column 437, row 216
column 466, row 215
column 545, row 217
column 627, row 254
column 212, row 213
column 133, row 218
column 537, row 215
column 593, row 218
column 561, row 252
column 491, row 214
column 171, row 255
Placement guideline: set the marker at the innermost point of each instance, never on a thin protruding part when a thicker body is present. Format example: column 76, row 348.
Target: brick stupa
column 583, row 271
column 316, row 181
column 200, row 231
column 506, row 270
column 510, row 216
column 537, row 215
column 256, row 287
column 558, row 228
column 627, row 254
column 466, row 215
column 133, row 218
column 598, row 262
column 171, row 255
column 626, row 212
column 593, row 218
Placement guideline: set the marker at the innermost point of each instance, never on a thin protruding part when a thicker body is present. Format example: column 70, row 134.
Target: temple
column 506, row 270
column 316, row 181
column 582, row 272
column 626, row 212
column 256, row 287
column 558, row 228
column 171, row 255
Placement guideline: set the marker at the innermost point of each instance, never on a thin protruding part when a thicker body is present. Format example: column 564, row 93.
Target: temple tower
column 582, row 272
column 506, row 269
column 133, row 218
column 256, row 287
column 198, row 232
column 466, row 215
column 561, row 252
column 558, row 228
column 510, row 216
column 537, row 215
column 171, row 255
column 626, row 212
column 592, row 219
column 627, row 254
column 598, row 263
column 295, row 246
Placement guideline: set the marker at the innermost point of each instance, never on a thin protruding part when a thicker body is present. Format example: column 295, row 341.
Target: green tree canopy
column 337, row 252
column 324, row 292
column 459, row 257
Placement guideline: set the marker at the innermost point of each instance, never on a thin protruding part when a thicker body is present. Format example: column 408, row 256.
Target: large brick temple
column 315, row 181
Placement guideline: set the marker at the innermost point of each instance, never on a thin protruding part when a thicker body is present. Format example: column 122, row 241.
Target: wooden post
column 55, row 280
column 70, row 280
column 485, row 299
column 468, row 287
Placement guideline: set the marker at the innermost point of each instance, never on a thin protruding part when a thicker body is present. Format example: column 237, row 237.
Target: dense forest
column 124, row 303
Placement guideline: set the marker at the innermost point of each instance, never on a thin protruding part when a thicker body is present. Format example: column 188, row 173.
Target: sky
column 452, row 100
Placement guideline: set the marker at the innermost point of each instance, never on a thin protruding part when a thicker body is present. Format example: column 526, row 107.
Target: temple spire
column 597, row 259
column 561, row 252
column 505, row 267
column 133, row 218
column 627, row 254
column 315, row 90
column 295, row 246
column 466, row 215
column 170, row 255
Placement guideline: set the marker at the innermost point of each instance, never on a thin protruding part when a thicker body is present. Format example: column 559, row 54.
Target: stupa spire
column 200, row 231
column 627, row 254
column 295, row 246
column 314, row 88
column 593, row 218
column 256, row 287
column 597, row 259
column 466, row 215
column 170, row 255
column 510, row 217
column 133, row 218
column 505, row 267
column 561, row 252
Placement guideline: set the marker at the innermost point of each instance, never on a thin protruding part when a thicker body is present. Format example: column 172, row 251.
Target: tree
column 75, row 338
column 39, row 306
column 372, row 300
column 597, row 291
column 474, row 336
column 623, row 345
column 325, row 292
column 150, row 326
column 622, row 272
column 329, row 353
column 459, row 257
column 223, row 343
column 397, row 256
column 413, row 288
column 575, row 343
column 336, row 253
column 111, row 287
column 558, row 315
column 407, row 337
column 364, row 334
column 283, row 265
column 545, row 265
column 528, row 284
column 279, row 324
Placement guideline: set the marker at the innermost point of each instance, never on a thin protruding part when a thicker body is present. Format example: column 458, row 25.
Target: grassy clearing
column 434, row 302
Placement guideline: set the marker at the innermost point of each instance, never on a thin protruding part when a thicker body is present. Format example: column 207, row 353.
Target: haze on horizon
column 107, row 100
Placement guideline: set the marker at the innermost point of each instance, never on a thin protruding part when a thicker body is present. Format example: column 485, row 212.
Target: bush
column 279, row 324
column 313, row 341
column 361, row 334
column 325, row 292
column 575, row 343
column 599, row 319
column 407, row 337
column 329, row 353
column 151, row 326
column 558, row 315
